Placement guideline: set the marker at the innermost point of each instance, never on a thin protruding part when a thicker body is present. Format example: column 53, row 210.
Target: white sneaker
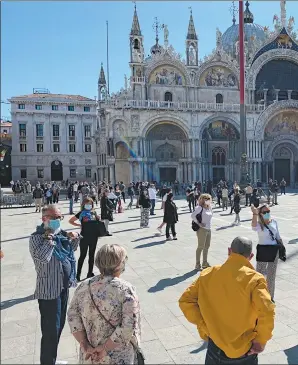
column 61, row 362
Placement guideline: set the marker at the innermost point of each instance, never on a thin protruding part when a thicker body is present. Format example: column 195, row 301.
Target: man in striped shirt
column 52, row 251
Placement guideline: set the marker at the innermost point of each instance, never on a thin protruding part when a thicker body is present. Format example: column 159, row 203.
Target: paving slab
column 160, row 270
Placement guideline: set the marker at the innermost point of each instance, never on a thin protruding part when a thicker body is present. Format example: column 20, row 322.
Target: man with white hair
column 52, row 251
column 231, row 306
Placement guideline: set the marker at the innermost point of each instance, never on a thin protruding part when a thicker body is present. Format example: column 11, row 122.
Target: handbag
column 195, row 227
column 139, row 352
column 280, row 248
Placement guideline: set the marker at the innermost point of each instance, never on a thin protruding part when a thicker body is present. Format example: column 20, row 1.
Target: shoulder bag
column 267, row 253
column 195, row 227
column 139, row 352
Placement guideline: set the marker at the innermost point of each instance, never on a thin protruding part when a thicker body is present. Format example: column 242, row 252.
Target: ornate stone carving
column 290, row 142
column 288, row 54
column 87, row 161
column 119, row 129
column 166, row 152
column 135, row 123
column 250, row 123
column 271, row 111
column 72, row 161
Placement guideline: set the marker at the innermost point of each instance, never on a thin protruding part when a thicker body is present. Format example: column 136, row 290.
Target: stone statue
column 218, row 38
column 125, row 82
column 283, row 13
column 166, row 35
column 192, row 56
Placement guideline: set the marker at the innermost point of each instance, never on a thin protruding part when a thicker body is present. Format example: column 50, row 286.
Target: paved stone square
column 160, row 271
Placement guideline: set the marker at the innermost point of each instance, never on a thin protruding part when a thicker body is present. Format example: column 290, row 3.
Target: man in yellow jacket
column 232, row 308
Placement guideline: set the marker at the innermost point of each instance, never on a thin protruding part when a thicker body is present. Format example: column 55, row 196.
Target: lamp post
column 243, row 155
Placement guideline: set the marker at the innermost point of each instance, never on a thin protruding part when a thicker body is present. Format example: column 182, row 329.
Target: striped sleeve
column 40, row 249
column 75, row 242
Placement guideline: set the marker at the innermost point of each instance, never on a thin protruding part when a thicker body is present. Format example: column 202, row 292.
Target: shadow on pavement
column 225, row 227
column 292, row 354
column 164, row 283
column 11, row 302
column 151, row 244
column 126, row 230
column 201, row 348
column 292, row 242
column 144, row 238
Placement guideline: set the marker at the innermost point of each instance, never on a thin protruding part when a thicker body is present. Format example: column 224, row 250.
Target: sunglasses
column 61, row 217
column 265, row 211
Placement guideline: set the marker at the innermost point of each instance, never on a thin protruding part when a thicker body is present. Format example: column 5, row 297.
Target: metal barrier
column 23, row 200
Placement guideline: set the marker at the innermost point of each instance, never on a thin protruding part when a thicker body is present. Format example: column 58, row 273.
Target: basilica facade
column 179, row 119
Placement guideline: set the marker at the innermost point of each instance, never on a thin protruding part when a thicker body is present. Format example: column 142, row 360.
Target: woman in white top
column 204, row 233
column 267, row 248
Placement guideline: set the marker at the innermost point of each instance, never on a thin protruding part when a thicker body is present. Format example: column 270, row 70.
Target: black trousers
column 49, row 200
column 52, row 321
column 85, row 243
column 191, row 205
column 247, row 199
column 55, row 198
column 123, row 195
column 215, row 356
column 172, row 226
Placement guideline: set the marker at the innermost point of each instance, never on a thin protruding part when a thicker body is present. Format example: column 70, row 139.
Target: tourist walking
column 145, row 204
column 70, row 196
column 248, row 193
column 225, row 197
column 56, row 192
column 52, row 250
column 212, row 304
column 122, row 189
column 104, row 314
column 38, row 194
column 202, row 216
column 170, row 217
column 236, row 206
column 270, row 246
column 107, row 208
column 130, row 193
column 274, row 190
column 152, row 196
column 48, row 194
column 89, row 234
column 190, row 198
column 283, row 185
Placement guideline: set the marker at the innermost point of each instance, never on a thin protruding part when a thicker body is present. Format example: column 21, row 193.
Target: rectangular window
column 40, row 173
column 38, row 107
column 23, row 173
column 70, row 108
column 23, row 147
column 86, row 108
column 39, row 130
column 88, row 172
column 39, row 147
column 87, row 147
column 54, row 107
column 71, row 130
column 56, row 130
column 56, row 147
column 73, row 173
column 87, row 131
column 22, row 130
column 21, row 106
column 72, row 147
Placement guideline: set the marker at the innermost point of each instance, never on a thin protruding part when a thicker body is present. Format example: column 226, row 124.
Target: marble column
column 193, row 149
column 112, row 173
column 289, row 94
column 265, row 96
column 277, row 92
column 131, row 171
column 145, row 165
column 194, row 171
column 189, row 177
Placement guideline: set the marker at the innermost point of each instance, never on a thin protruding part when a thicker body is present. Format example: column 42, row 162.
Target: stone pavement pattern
column 160, row 270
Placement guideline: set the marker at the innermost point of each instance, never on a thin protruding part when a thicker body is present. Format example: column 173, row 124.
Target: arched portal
column 122, row 172
column 56, row 171
column 282, row 158
column 167, row 145
column 220, row 149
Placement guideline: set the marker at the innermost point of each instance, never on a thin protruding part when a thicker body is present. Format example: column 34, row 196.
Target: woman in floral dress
column 104, row 314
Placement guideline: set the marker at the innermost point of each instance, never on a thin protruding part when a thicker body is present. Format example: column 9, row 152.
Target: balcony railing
column 178, row 105
column 22, row 138
column 39, row 138
column 71, row 138
column 56, row 138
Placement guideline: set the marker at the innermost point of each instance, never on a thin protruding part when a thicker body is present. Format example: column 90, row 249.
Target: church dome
column 252, row 32
column 156, row 49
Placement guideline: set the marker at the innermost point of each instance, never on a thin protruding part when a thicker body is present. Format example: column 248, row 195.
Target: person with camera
column 202, row 217
column 270, row 246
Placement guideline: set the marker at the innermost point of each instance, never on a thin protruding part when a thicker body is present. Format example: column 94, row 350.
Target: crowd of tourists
column 104, row 313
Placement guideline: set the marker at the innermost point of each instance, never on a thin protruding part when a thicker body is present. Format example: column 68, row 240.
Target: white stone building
column 179, row 119
column 52, row 137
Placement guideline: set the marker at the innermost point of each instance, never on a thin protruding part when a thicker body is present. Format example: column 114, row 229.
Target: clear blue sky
column 60, row 45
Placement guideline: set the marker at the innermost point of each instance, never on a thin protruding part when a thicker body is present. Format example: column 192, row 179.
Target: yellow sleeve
column 262, row 303
column 188, row 304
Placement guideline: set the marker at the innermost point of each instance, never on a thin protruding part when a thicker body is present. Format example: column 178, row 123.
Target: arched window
column 218, row 156
column 219, row 99
column 294, row 95
column 168, row 96
column 136, row 44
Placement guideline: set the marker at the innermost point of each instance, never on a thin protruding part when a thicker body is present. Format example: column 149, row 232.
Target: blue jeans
column 215, row 356
column 52, row 321
column 71, row 206
column 152, row 206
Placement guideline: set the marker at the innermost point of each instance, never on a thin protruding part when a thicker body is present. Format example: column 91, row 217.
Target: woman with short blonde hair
column 104, row 314
column 202, row 216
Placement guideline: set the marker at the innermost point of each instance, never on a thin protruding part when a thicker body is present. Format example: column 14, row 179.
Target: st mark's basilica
column 179, row 118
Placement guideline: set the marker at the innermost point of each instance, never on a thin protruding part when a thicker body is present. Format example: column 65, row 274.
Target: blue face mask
column 266, row 216
column 54, row 224
column 88, row 206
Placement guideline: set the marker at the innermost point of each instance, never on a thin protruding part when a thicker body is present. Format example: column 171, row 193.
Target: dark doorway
column 5, row 164
column 56, row 171
column 167, row 174
column 218, row 174
column 282, row 170
column 168, row 96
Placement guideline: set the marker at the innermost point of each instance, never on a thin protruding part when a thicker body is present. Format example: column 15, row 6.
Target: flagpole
column 108, row 68
column 243, row 157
